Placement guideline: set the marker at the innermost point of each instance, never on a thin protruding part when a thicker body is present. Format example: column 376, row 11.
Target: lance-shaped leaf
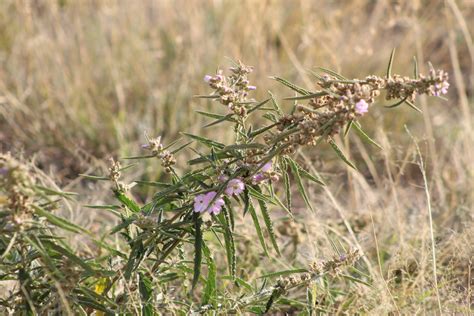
column 416, row 73
column 205, row 141
column 301, row 189
column 257, row 106
column 58, row 221
column 414, row 107
column 332, row 73
column 397, row 103
column 308, row 96
column 210, row 290
column 223, row 118
column 390, row 63
column 364, row 136
column 341, row 154
column 145, row 286
column 198, row 242
column 282, row 273
column 256, row 223
column 291, row 86
column 129, row 203
column 71, row 256
column 268, row 223
column 229, row 242
column 275, row 104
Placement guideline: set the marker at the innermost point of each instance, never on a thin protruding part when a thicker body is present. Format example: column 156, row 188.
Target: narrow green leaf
column 110, row 206
column 175, row 151
column 229, row 243
column 305, row 174
column 276, row 293
column 253, row 213
column 49, row 191
column 134, row 259
column 364, row 136
column 198, row 242
column 275, row 104
column 209, row 295
column 71, row 256
column 414, row 107
column 283, row 272
column 129, row 203
column 229, row 212
column 390, row 63
column 257, row 106
column 242, row 146
column 261, row 130
column 398, row 103
column 138, row 157
column 154, row 183
column 58, row 221
column 268, row 223
column 145, row 287
column 218, row 156
column 240, row 282
column 308, row 96
column 127, row 167
column 291, row 86
column 348, row 127
column 212, row 96
column 416, row 73
column 296, row 173
column 227, row 118
column 205, row 141
column 341, row 154
column 91, row 177
column 125, row 223
column 354, row 279
column 287, row 185
column 332, row 73
column 253, row 191
column 211, row 115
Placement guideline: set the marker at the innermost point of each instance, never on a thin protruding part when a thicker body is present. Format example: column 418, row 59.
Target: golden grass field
column 81, row 81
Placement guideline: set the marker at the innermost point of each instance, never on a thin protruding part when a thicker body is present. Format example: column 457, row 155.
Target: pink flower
column 207, row 78
column 216, row 206
column 202, row 201
column 252, row 87
column 263, row 175
column 222, row 178
column 267, row 167
column 257, row 178
column 440, row 88
column 361, row 107
column 235, row 186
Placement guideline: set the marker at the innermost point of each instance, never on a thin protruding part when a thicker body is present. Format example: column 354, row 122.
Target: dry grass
column 82, row 80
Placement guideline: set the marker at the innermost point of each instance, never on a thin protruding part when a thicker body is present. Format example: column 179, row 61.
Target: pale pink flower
column 222, row 178
column 216, row 206
column 361, row 107
column 257, row 178
column 440, row 88
column 200, row 203
column 252, row 87
column 235, row 186
column 207, row 78
column 267, row 167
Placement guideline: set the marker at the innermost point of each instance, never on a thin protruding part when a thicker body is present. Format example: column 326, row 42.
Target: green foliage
column 175, row 240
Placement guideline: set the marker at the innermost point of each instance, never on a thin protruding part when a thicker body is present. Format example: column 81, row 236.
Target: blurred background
column 81, row 81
